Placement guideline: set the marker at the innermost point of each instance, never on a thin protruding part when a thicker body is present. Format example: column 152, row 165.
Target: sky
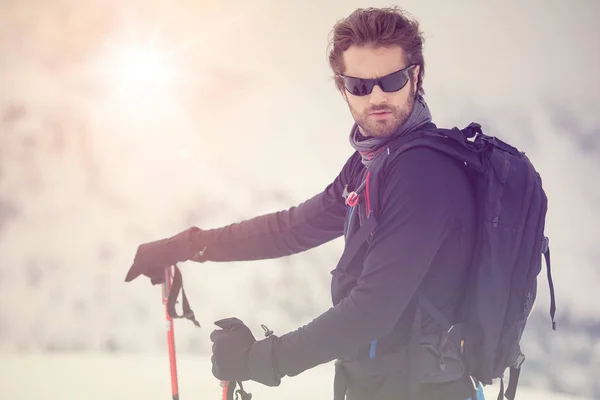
column 102, row 147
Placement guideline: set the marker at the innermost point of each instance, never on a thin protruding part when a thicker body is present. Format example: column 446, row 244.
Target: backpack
column 511, row 212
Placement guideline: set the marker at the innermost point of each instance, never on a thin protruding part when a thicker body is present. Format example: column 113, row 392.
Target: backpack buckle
column 519, row 361
column 545, row 244
column 473, row 129
column 442, row 365
column 352, row 199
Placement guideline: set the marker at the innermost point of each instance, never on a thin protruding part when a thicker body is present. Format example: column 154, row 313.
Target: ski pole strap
column 551, row 286
column 229, row 392
column 176, row 287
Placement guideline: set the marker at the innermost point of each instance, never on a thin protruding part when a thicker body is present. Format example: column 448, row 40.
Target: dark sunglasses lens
column 389, row 83
column 358, row 87
column 393, row 82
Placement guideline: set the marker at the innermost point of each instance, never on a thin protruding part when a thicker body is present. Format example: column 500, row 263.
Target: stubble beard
column 371, row 127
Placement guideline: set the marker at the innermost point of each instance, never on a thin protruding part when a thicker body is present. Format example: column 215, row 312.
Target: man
column 425, row 235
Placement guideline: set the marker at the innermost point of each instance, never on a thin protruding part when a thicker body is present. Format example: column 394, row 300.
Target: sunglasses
column 389, row 83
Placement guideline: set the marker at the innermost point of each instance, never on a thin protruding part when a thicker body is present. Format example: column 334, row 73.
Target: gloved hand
column 152, row 258
column 238, row 356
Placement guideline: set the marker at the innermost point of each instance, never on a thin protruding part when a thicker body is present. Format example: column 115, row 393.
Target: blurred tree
column 9, row 115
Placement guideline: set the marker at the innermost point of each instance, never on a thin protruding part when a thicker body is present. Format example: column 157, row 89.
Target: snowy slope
column 101, row 377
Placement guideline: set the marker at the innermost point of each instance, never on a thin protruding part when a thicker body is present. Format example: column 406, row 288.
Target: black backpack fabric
column 511, row 213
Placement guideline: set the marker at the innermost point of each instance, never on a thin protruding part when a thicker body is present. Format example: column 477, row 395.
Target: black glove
column 237, row 356
column 152, row 258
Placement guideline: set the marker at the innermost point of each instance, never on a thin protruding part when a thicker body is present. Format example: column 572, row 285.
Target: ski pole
column 229, row 387
column 170, row 283
column 166, row 288
column 228, row 390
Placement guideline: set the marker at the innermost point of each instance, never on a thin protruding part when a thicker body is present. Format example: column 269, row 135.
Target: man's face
column 379, row 114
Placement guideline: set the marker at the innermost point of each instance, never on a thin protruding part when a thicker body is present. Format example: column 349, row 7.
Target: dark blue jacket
column 425, row 208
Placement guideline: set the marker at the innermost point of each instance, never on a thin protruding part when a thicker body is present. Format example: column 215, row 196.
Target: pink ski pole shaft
column 166, row 288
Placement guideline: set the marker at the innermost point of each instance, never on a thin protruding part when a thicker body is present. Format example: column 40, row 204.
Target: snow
column 101, row 377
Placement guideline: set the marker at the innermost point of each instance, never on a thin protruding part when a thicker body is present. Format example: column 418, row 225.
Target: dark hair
column 379, row 27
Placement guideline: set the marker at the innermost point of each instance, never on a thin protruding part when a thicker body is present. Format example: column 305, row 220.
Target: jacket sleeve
column 314, row 222
column 412, row 224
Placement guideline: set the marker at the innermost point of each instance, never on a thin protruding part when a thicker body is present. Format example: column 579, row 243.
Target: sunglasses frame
column 377, row 81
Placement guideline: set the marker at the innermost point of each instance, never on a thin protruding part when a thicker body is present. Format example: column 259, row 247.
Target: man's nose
column 377, row 96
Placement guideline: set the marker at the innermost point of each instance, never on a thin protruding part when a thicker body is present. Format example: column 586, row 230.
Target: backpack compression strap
column 546, row 252
column 513, row 379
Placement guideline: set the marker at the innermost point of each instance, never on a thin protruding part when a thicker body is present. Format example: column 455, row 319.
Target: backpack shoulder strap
column 453, row 142
column 356, row 242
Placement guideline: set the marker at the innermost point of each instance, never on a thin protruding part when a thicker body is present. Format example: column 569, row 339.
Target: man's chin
column 381, row 131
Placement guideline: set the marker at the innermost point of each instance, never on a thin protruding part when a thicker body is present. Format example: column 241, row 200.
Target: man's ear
column 416, row 71
column 414, row 78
